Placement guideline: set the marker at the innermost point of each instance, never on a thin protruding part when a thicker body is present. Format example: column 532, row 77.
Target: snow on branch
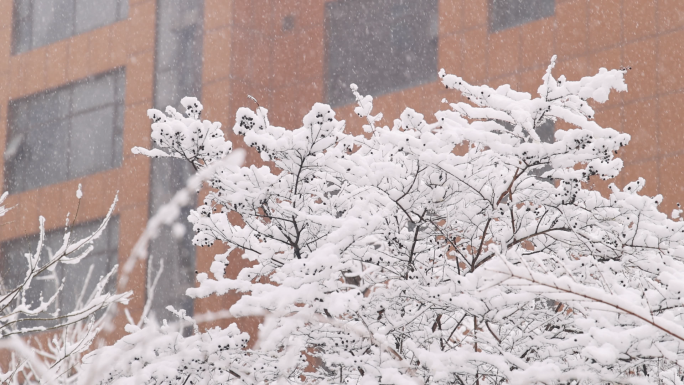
column 459, row 249
column 22, row 313
column 186, row 137
column 3, row 209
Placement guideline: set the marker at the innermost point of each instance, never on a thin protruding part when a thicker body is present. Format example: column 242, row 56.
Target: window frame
column 524, row 19
column 118, row 82
column 337, row 98
column 122, row 10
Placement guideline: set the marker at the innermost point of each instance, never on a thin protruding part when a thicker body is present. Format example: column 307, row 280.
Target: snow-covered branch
column 456, row 250
column 73, row 329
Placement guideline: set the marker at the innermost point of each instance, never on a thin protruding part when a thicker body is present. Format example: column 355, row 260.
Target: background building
column 77, row 76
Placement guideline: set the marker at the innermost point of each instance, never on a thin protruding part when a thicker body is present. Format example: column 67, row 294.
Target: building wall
column 130, row 44
column 275, row 51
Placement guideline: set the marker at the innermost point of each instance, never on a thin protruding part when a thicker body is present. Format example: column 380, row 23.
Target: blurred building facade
column 77, row 76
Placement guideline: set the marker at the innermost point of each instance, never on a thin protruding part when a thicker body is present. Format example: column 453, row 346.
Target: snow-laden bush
column 162, row 355
column 24, row 310
column 459, row 250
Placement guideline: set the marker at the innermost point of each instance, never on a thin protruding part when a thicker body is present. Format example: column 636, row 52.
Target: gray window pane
column 22, row 9
column 166, row 88
column 13, row 265
column 92, row 135
column 177, row 74
column 47, row 148
column 113, row 237
column 122, row 9
column 49, row 106
column 91, row 14
column 510, row 13
column 65, row 133
column 120, row 86
column 546, row 131
column 94, row 93
column 38, row 142
column 52, row 21
column 381, row 45
column 22, row 25
column 40, row 22
column 117, row 138
column 179, row 44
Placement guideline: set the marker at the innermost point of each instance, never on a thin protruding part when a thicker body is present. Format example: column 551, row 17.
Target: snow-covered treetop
column 398, row 257
column 188, row 138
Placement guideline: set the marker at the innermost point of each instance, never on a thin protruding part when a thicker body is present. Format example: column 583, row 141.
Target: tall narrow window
column 178, row 73
column 505, row 14
column 65, row 133
column 79, row 280
column 381, row 45
column 42, row 22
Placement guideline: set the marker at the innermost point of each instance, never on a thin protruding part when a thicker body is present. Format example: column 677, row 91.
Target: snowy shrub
column 162, row 355
column 454, row 250
column 25, row 310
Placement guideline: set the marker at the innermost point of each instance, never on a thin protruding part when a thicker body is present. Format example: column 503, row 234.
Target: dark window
column 79, row 279
column 510, row 13
column 65, row 133
column 546, row 131
column 41, row 22
column 288, row 23
column 178, row 73
column 381, row 45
